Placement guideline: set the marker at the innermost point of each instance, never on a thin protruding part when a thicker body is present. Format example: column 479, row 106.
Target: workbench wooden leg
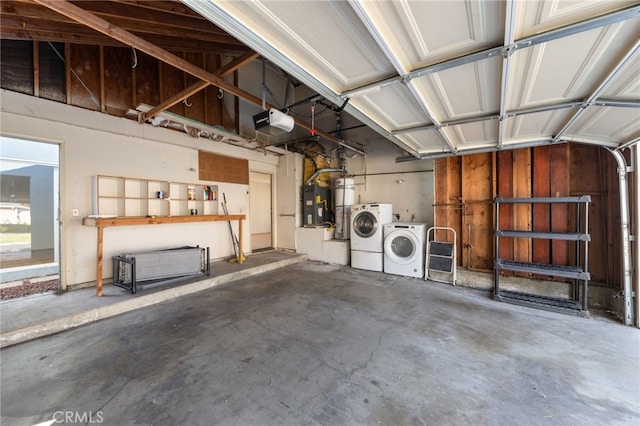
column 241, row 254
column 99, row 263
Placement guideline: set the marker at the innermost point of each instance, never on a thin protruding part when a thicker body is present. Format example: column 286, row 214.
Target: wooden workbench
column 102, row 223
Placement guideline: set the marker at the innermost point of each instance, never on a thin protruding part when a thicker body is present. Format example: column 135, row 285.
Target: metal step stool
column 441, row 257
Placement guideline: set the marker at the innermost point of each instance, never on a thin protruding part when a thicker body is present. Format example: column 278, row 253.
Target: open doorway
column 29, row 206
column 260, row 205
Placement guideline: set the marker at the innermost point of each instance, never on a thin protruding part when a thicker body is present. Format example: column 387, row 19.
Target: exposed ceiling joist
column 170, row 30
column 86, row 18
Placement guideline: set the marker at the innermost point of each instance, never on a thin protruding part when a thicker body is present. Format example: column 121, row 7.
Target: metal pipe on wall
column 626, row 246
column 636, row 228
column 319, row 172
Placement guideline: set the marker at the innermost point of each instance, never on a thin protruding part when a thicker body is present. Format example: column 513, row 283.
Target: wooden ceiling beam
column 198, row 30
column 174, row 7
column 237, row 63
column 175, row 99
column 196, row 87
column 13, row 28
column 141, row 16
column 80, row 15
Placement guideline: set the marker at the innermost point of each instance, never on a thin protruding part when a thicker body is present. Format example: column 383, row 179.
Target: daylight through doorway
column 29, row 194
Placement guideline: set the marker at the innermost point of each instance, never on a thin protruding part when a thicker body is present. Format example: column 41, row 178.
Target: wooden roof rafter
column 196, row 87
column 80, row 15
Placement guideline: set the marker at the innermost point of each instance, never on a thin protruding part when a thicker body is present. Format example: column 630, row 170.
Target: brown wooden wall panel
column 85, row 64
column 214, row 106
column 16, row 72
column 219, row 168
column 541, row 220
column 118, row 80
column 448, row 199
column 593, row 172
column 522, row 212
column 147, row 89
column 195, row 109
column 560, row 187
column 477, row 196
column 504, row 187
column 52, row 72
column 171, row 83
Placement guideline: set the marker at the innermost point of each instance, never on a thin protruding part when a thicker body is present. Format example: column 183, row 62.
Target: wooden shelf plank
column 144, row 220
column 100, row 223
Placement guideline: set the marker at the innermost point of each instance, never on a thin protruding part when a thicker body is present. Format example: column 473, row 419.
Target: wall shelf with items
column 116, row 196
column 577, row 272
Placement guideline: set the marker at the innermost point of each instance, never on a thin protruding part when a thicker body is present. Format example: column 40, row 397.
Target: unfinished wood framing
column 36, row 69
column 463, row 186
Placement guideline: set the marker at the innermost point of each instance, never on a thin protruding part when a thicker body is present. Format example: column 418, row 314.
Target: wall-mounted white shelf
column 134, row 197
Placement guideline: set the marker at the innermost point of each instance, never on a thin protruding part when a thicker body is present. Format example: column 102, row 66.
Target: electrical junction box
column 316, row 205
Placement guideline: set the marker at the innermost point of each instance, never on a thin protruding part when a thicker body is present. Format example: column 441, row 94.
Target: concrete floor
column 317, row 344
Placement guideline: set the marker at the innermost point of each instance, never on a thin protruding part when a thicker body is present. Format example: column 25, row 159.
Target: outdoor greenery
column 14, row 238
column 13, row 233
column 11, row 228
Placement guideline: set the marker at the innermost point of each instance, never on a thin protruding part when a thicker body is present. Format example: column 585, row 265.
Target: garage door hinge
column 508, row 50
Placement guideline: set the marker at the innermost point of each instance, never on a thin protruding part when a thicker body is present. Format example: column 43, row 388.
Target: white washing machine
column 404, row 248
column 367, row 235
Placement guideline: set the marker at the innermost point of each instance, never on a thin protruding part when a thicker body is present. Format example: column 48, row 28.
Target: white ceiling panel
column 468, row 90
column 608, row 125
column 454, row 76
column 626, row 84
column 535, row 17
column 324, row 38
column 537, row 125
column 567, row 68
column 418, row 33
column 392, row 107
column 424, row 141
column 480, row 134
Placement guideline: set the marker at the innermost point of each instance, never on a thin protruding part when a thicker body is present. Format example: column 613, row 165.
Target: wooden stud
column 103, row 106
column 541, row 212
column 177, row 98
column 522, row 212
column 67, row 70
column 505, row 190
column 236, row 105
column 134, row 84
column 477, row 226
column 36, row 68
column 559, row 166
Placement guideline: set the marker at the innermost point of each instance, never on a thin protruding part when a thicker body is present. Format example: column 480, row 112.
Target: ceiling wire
column 91, row 95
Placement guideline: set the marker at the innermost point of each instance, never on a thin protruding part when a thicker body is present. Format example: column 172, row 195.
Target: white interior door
column 260, row 216
column 289, row 200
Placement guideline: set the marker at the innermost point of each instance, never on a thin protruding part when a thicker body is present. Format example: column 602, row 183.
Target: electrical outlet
column 75, row 212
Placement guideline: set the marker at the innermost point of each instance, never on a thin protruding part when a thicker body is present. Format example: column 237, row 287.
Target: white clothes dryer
column 404, row 248
column 367, row 235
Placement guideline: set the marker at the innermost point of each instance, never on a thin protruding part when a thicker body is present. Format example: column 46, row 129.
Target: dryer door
column 365, row 224
column 402, row 246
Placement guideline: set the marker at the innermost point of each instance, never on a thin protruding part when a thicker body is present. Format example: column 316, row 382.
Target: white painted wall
column 408, row 186
column 260, row 201
column 93, row 143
